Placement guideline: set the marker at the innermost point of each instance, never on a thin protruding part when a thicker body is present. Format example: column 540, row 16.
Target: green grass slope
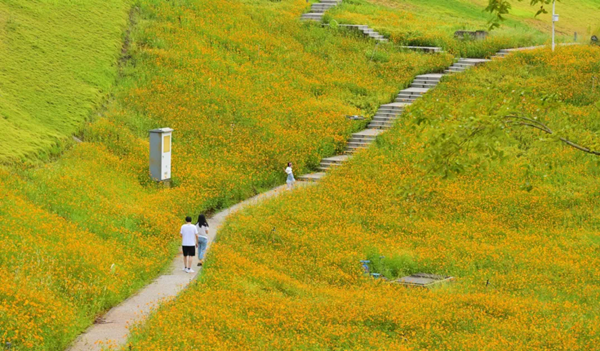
column 57, row 63
column 515, row 220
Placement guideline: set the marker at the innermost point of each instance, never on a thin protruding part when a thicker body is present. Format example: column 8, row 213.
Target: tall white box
column 160, row 154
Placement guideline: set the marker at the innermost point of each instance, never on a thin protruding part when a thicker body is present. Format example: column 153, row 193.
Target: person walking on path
column 290, row 176
column 202, row 227
column 189, row 243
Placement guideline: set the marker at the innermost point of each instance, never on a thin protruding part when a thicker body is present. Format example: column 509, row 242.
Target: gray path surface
column 112, row 329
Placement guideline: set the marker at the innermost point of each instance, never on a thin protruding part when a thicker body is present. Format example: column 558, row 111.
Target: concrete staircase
column 464, row 64
column 384, row 119
column 387, row 114
column 366, row 30
column 317, row 10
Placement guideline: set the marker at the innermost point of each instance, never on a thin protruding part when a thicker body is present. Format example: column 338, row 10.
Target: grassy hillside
column 246, row 86
column 57, row 64
column 434, row 22
column 517, row 226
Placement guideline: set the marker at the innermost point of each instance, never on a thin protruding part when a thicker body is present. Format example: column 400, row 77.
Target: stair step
column 384, row 118
column 421, row 85
column 382, row 123
column 403, row 99
column 312, row 177
column 387, row 115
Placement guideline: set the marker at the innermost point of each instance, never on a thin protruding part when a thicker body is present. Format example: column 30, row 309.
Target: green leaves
column 501, row 8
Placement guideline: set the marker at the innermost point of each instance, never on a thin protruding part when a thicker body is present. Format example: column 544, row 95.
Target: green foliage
column 392, row 267
column 500, row 8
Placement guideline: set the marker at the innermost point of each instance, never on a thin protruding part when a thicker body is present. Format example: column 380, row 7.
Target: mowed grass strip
column 58, row 62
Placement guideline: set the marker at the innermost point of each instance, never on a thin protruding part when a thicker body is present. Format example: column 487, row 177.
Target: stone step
column 386, row 112
column 383, row 120
column 414, row 91
column 463, row 65
column 388, row 108
column 426, row 80
column 321, row 7
column 386, row 115
column 436, row 76
column 422, row 85
column 357, row 144
column 381, row 125
column 327, row 167
column 367, row 133
column 354, row 26
column 312, row 177
column 312, row 16
column 405, row 99
column 360, row 142
column 473, row 62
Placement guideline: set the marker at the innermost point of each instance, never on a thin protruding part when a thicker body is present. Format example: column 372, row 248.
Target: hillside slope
column 247, row 88
column 57, row 64
column 515, row 221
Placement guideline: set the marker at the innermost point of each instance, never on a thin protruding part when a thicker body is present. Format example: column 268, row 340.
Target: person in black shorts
column 189, row 243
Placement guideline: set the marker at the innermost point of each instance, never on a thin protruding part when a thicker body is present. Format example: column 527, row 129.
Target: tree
column 499, row 8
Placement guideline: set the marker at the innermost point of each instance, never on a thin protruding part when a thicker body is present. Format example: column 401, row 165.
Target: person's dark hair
column 188, row 219
column 289, row 164
column 202, row 221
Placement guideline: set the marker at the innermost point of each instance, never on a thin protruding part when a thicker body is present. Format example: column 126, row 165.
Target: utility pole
column 554, row 20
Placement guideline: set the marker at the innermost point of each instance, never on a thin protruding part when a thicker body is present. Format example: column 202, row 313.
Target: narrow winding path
column 112, row 329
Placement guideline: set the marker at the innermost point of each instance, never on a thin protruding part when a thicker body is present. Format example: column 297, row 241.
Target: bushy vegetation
column 246, row 86
column 519, row 231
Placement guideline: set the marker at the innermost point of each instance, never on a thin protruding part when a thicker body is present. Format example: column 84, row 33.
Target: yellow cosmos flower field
column 520, row 234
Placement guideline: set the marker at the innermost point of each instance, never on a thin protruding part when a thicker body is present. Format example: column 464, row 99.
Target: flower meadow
column 518, row 228
column 246, row 86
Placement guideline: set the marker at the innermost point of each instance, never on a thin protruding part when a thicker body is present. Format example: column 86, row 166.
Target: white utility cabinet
column 160, row 153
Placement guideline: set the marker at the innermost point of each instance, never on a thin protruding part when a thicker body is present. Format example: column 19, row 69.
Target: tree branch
column 544, row 128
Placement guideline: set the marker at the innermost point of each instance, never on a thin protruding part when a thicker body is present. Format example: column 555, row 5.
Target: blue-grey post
column 160, row 154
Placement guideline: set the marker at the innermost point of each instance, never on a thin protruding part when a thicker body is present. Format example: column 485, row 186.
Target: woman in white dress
column 202, row 226
column 290, row 176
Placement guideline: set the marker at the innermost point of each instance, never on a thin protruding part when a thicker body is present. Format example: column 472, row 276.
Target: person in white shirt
column 189, row 243
column 202, row 226
column 290, row 176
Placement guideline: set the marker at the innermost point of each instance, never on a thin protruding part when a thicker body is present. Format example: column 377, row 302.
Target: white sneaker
column 184, row 269
column 190, row 270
